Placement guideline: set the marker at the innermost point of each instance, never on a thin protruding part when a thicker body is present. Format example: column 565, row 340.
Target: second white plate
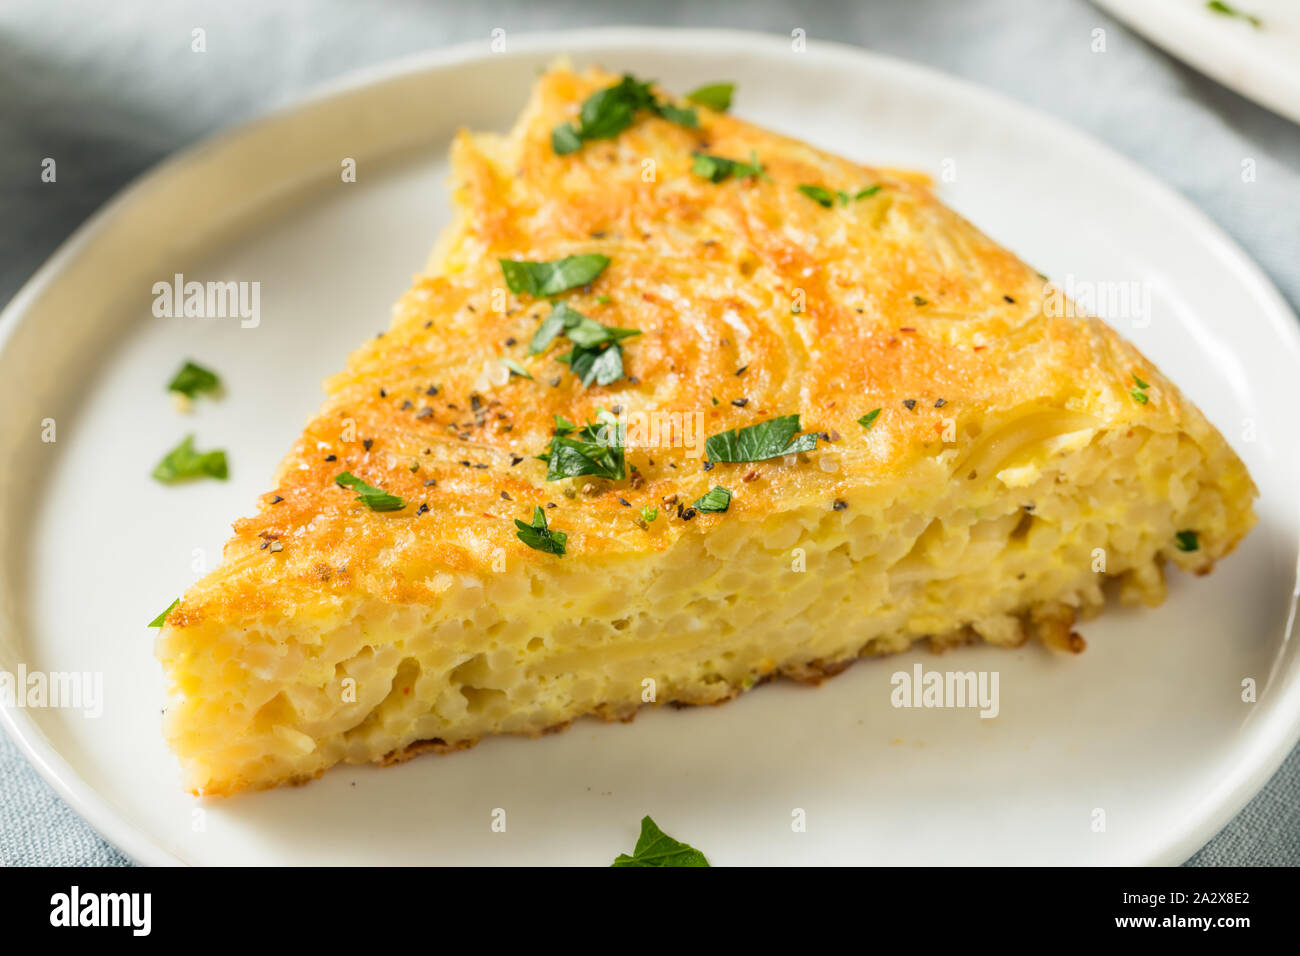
column 1259, row 58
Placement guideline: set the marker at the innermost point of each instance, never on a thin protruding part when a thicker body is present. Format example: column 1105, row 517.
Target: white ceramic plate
column 1147, row 726
column 1259, row 62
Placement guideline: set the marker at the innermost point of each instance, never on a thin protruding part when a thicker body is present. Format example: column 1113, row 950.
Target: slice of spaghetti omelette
column 733, row 408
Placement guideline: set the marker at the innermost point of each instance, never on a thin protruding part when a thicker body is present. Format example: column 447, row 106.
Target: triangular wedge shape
column 984, row 459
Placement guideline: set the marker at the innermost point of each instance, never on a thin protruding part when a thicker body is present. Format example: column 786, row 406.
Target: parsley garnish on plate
column 161, row 619
column 551, row 278
column 193, row 379
column 717, row 168
column 716, row 96
column 595, row 449
column 1187, row 541
column 376, row 499
column 713, row 502
column 869, row 419
column 774, row 438
column 608, row 112
column 183, row 463
column 539, row 537
column 596, row 355
column 1218, row 6
column 656, row 848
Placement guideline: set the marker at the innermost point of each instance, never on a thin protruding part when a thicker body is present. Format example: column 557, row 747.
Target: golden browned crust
column 719, row 277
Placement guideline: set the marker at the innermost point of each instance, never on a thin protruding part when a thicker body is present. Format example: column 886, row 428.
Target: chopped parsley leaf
column 824, row 197
column 376, row 499
column 818, row 194
column 162, row 618
column 716, row 96
column 183, row 463
column 1218, row 6
column 608, row 112
column 193, row 379
column 681, row 115
column 601, row 366
column 515, row 368
column 595, row 449
column 649, row 513
column 588, row 332
column 580, row 330
column 1187, row 541
column 551, row 326
column 656, row 848
column 715, row 501
column 869, row 419
column 539, row 537
column 596, row 355
column 551, row 278
column 717, row 168
column 565, row 139
column 774, row 438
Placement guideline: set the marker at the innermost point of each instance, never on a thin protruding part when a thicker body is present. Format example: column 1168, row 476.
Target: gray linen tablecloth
column 110, row 88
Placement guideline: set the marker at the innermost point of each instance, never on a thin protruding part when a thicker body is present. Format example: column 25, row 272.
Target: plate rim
column 1271, row 745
